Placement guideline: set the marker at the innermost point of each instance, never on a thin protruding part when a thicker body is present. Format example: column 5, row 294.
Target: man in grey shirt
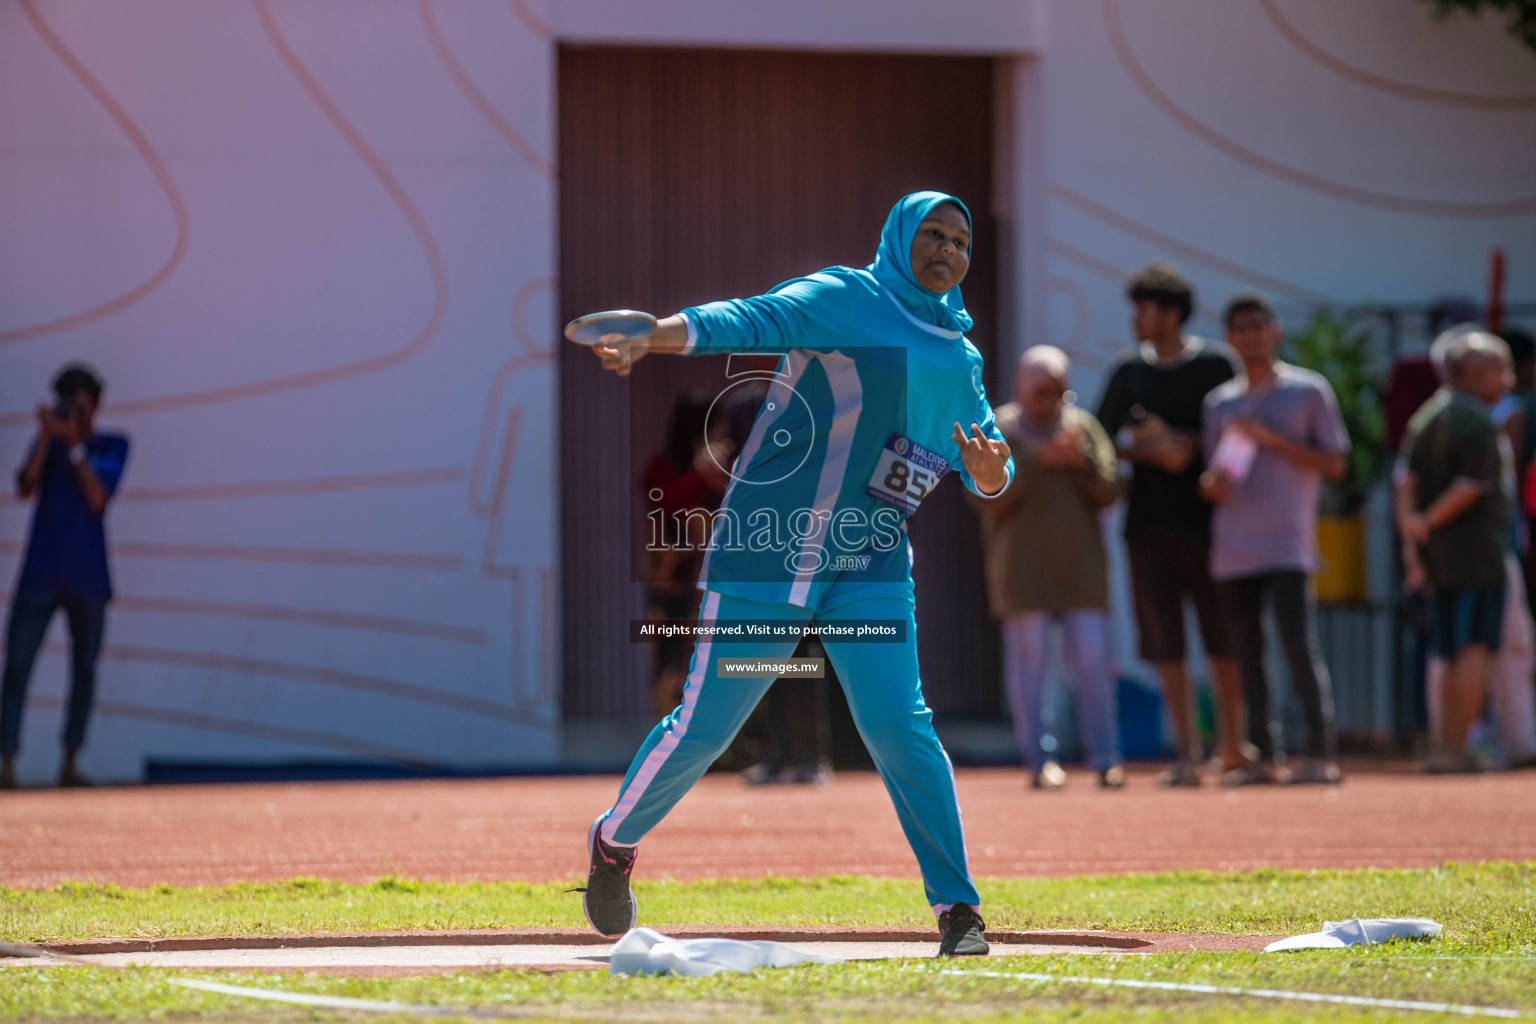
column 1271, row 436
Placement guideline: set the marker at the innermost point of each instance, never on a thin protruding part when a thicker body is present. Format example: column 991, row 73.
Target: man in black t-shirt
column 1152, row 407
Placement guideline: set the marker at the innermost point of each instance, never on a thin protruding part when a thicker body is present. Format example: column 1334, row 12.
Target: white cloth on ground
column 1357, row 931
column 644, row 951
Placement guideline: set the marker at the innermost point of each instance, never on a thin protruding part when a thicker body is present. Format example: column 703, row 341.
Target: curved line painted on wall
column 322, row 617
column 290, row 556
column 1152, row 236
column 1406, row 90
column 397, row 195
column 285, row 488
column 156, row 167
column 1113, row 274
column 477, row 99
column 488, row 564
column 294, row 556
column 1090, row 263
column 520, row 332
column 272, row 555
column 1282, row 172
column 1110, row 350
column 278, row 488
column 337, row 678
column 1088, row 359
column 1081, row 308
column 214, row 723
column 548, row 596
column 537, row 25
column 518, row 684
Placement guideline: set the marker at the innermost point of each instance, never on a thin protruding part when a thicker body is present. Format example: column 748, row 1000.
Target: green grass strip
column 889, row 992
column 1489, row 903
column 1487, row 957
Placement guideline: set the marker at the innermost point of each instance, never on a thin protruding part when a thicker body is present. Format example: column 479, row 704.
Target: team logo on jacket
column 981, row 391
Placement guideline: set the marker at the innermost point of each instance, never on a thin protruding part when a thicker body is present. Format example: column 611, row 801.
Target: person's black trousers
column 1288, row 593
column 28, row 624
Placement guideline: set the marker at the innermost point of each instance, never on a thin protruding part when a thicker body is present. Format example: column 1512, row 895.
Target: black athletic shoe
column 961, row 929
column 608, row 903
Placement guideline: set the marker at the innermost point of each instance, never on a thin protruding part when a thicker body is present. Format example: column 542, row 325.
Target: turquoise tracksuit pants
column 885, row 694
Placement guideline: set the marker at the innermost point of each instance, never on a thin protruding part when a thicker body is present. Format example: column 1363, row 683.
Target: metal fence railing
column 1371, row 688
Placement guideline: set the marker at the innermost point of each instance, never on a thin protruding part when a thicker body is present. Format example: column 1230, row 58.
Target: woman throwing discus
column 877, row 396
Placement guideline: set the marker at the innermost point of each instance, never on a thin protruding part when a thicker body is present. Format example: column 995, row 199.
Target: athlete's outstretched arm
column 806, row 313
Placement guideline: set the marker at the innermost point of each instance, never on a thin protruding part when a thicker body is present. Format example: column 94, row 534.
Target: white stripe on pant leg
column 954, row 788
column 659, row 753
column 848, row 402
column 965, row 857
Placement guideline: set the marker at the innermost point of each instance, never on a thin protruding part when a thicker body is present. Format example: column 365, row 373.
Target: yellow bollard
column 1341, row 557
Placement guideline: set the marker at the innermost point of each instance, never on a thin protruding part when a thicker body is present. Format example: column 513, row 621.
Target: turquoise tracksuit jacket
column 875, row 370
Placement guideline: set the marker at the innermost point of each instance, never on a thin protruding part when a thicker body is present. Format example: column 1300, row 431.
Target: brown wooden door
column 691, row 175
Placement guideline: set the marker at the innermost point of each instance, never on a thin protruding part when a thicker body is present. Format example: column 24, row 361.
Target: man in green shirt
column 1454, row 520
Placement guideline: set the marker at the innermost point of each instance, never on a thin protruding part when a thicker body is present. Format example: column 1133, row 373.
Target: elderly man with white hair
column 1510, row 674
column 1454, row 516
column 1046, row 562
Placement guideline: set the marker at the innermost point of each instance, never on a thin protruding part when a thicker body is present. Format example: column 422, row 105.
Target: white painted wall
column 906, row 26
column 310, row 246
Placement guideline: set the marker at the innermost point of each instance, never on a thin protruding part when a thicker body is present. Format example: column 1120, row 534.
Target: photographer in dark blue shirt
column 74, row 471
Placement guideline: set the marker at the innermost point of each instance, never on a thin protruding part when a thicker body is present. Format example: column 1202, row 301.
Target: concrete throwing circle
column 405, row 954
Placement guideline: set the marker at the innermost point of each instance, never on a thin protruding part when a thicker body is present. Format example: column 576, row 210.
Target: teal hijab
column 893, row 263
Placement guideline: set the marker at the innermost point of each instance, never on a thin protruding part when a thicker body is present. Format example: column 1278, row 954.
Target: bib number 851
column 915, row 482
column 905, row 474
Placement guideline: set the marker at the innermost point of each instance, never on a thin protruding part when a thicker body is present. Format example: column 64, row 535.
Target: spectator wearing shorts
column 1046, row 565
column 1272, row 435
column 1510, row 676
column 1454, row 520
column 1153, row 406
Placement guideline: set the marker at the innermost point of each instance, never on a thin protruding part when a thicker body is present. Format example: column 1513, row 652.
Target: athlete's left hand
column 985, row 459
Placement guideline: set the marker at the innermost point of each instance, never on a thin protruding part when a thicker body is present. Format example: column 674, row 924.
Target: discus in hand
column 614, row 328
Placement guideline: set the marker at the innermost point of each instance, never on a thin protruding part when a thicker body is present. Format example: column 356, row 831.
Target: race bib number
column 906, row 473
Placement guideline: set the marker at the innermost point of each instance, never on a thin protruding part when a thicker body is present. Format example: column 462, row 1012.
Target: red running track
column 534, row 829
